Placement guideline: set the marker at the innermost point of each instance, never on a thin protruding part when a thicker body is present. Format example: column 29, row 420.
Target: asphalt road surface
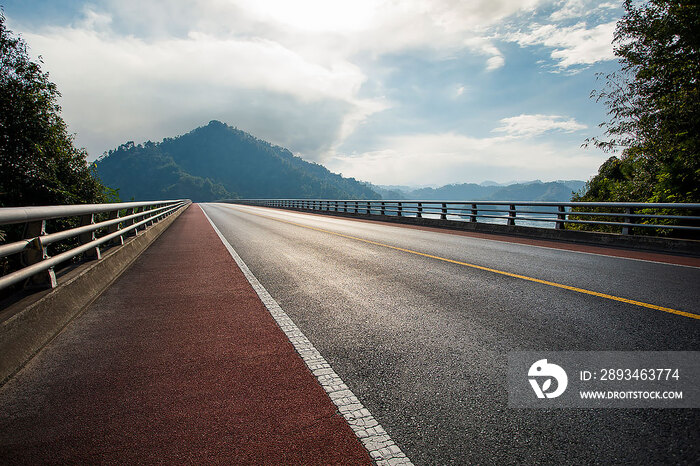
column 423, row 342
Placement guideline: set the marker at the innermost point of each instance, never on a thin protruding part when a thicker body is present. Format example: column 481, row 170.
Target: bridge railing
column 620, row 216
column 115, row 221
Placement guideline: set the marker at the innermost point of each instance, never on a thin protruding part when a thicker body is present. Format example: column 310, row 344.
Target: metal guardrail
column 123, row 219
column 629, row 214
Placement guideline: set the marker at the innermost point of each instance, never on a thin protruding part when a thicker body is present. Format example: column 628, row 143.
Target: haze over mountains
column 559, row 191
column 218, row 161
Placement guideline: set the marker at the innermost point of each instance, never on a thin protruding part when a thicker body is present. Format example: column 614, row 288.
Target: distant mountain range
column 555, row 191
column 219, row 162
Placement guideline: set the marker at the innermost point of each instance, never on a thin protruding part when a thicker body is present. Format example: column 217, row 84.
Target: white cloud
column 117, row 88
column 578, row 8
column 533, row 125
column 573, row 45
column 130, row 69
column 453, row 158
column 485, row 46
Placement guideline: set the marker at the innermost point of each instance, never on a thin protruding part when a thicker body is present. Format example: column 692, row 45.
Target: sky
column 388, row 91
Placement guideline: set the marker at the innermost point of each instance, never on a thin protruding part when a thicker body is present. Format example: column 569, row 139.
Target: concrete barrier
column 29, row 324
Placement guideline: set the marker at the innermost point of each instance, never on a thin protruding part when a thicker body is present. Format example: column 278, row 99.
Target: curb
column 37, row 319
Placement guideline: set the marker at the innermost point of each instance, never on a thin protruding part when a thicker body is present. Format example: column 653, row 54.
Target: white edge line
column 380, row 446
column 498, row 240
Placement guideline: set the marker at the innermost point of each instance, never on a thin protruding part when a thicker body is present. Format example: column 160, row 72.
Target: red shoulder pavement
column 177, row 362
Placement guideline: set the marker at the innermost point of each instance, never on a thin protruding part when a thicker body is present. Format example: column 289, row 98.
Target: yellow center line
column 487, row 269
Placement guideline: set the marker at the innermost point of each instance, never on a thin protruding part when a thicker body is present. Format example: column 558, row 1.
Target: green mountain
column 217, row 162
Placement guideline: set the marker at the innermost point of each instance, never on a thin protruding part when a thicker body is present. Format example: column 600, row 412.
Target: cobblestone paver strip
column 381, row 448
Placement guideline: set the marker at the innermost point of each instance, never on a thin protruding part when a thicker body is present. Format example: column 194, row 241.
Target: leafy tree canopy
column 653, row 106
column 39, row 165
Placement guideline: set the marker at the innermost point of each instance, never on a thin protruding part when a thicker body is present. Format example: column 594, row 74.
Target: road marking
column 491, row 238
column 487, row 269
column 380, row 446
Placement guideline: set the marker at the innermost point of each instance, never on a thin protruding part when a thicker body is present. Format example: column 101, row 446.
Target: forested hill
column 216, row 162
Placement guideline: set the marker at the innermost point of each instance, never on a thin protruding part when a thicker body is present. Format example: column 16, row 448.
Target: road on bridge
column 419, row 324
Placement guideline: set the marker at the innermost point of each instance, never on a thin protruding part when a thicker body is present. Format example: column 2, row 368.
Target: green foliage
column 654, row 107
column 144, row 172
column 38, row 161
column 217, row 162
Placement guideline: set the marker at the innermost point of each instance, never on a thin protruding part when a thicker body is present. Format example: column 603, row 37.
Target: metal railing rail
column 630, row 214
column 38, row 266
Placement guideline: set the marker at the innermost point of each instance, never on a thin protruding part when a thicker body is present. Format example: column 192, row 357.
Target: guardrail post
column 560, row 216
column 381, row 209
column 345, row 206
column 37, row 253
column 157, row 218
column 475, row 212
column 357, row 211
column 511, row 215
column 420, row 211
column 84, row 238
column 119, row 240
column 131, row 221
column 369, row 208
column 625, row 229
column 443, row 214
column 399, row 209
column 150, row 222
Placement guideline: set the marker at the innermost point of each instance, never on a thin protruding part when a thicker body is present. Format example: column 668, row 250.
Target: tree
column 39, row 165
column 653, row 107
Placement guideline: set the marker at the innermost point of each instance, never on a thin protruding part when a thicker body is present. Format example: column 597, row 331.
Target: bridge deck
column 178, row 361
